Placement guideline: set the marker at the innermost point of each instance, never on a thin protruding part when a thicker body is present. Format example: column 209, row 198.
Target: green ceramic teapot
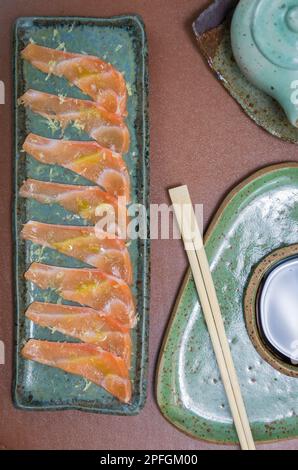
column 264, row 36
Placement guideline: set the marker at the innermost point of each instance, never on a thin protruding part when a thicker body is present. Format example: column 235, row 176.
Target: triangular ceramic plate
column 259, row 216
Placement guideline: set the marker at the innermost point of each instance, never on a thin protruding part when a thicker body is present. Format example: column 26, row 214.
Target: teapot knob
column 264, row 36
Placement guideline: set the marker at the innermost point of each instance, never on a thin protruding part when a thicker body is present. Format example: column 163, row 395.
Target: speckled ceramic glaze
column 258, row 217
column 213, row 32
column 121, row 41
column 264, row 35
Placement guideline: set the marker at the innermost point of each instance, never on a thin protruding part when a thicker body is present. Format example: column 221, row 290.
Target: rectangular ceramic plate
column 122, row 42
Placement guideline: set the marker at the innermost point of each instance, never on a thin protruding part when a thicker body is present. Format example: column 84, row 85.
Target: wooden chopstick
column 204, row 283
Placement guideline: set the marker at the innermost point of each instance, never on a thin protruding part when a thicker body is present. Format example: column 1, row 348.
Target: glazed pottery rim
column 215, row 218
column 250, row 307
column 130, row 16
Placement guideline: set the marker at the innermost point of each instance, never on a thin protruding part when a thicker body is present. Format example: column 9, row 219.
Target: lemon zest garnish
column 87, row 385
column 52, row 64
column 61, row 46
column 38, row 253
column 61, row 98
column 78, row 125
column 53, row 124
column 129, row 90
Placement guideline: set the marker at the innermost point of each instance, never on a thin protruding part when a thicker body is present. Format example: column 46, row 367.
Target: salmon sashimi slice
column 90, row 287
column 86, row 360
column 108, row 129
column 86, row 158
column 84, row 323
column 93, row 247
column 96, row 78
column 89, row 202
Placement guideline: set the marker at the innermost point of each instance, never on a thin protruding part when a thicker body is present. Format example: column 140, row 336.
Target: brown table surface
column 199, row 136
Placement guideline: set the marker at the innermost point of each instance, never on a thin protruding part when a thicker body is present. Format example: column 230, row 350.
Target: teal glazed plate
column 258, row 217
column 122, row 42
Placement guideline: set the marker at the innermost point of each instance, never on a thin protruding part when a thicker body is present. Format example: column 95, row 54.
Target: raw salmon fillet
column 110, row 255
column 89, row 202
column 86, row 158
column 87, row 360
column 90, row 287
column 108, row 129
column 98, row 79
column 86, row 324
